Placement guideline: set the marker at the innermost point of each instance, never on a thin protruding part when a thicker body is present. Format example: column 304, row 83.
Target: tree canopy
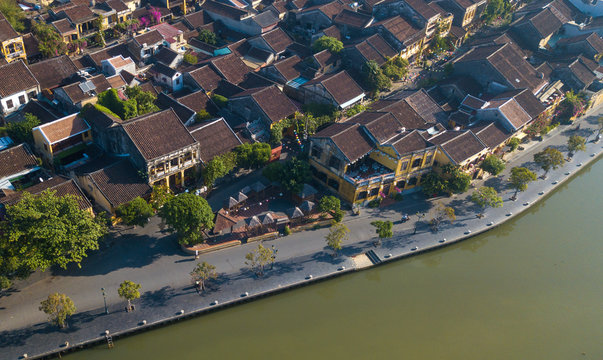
column 338, row 233
column 135, row 212
column 520, row 178
column 208, row 37
column 139, row 102
column 442, row 213
column 495, row 9
column 129, row 290
column 50, row 42
column 395, row 68
column 46, row 230
column 160, row 195
column 20, row 131
column 251, row 156
column 383, row 229
column 327, row 43
column 257, row 259
column 450, row 179
column 549, row 159
column 291, row 174
column 374, row 78
column 486, row 197
column 187, row 215
column 493, row 164
column 576, row 143
column 13, row 13
column 203, row 272
column 58, row 307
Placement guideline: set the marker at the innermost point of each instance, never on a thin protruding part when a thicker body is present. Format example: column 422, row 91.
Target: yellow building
column 11, row 43
column 62, row 141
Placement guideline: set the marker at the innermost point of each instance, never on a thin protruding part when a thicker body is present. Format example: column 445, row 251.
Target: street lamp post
column 105, row 300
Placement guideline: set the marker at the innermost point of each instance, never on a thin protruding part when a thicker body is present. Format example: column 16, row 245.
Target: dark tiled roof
column 460, row 118
column 183, row 112
column 409, row 118
column 472, row 102
column 325, row 58
column 197, row 19
column 117, row 5
column 266, row 19
column 514, row 113
column 53, row 72
column 107, row 53
column 332, row 31
column 79, row 14
column 6, row 30
column 215, row 138
column 259, row 54
column 76, row 94
column 206, row 77
column 353, row 19
column 254, row 80
column 402, row 30
column 40, row 110
column 409, row 142
column 15, row 77
column 289, row 67
column 149, row 38
column 370, row 53
column 383, row 126
column 63, row 26
column 582, row 72
column 526, row 100
column 158, row 134
column 422, row 8
column 62, row 185
column 231, row 68
column 165, row 55
column 162, row 69
column 349, row 138
column 461, row 146
column 272, row 101
column 277, row 39
column 120, row 183
column 492, row 134
column 15, row 160
column 228, row 11
column 379, row 44
column 545, row 22
column 31, row 44
column 424, row 105
column 341, row 86
column 196, row 101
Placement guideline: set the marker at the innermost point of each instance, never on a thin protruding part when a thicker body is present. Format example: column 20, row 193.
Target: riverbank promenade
column 155, row 261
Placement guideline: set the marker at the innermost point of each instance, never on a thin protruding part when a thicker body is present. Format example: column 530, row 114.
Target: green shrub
column 287, row 230
column 219, row 100
column 514, row 143
column 190, row 59
column 338, row 216
column 374, row 203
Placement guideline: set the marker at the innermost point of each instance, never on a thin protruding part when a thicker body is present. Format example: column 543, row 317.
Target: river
column 529, row 289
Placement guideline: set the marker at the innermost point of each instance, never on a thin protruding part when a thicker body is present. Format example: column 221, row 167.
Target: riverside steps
column 166, row 305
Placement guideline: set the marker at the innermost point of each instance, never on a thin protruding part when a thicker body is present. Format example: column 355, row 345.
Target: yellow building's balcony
column 367, row 171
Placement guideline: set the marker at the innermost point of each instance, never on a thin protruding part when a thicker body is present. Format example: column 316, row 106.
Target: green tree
column 374, row 78
column 291, row 175
column 383, row 229
column 190, row 59
column 21, row 131
column 432, row 184
column 486, row 197
column 129, row 290
column 513, row 143
column 202, row 273
column 338, row 233
column 495, row 9
column 47, row 230
column 208, row 37
column 202, row 115
column 135, row 212
column 457, row 182
column 50, row 42
column 549, row 159
column 58, row 307
column 214, row 170
column 252, row 156
column 187, row 215
column 520, row 178
column 160, row 195
column 13, row 13
column 442, row 213
column 257, row 259
column 219, row 100
column 493, row 165
column 327, row 43
column 440, row 44
column 576, row 143
column 329, row 204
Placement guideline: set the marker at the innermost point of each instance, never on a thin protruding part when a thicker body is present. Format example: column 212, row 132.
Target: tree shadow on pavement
column 130, row 251
column 500, row 183
column 157, row 297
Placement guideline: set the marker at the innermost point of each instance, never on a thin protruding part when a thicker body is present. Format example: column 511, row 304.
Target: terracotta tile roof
column 215, row 138
column 325, row 58
column 196, row 101
column 525, row 99
column 76, row 94
column 277, row 39
column 492, row 134
column 515, row 113
column 330, row 9
column 424, row 105
column 6, row 30
column 472, row 102
column 462, row 146
column 116, row 81
column 465, row 4
column 95, row 59
column 117, row 5
column 167, row 31
column 370, row 53
column 120, row 183
column 409, row 118
column 332, row 31
column 150, row 38
column 382, row 126
column 197, row 19
column 64, row 27
column 289, row 67
column 546, row 23
column 227, row 11
column 15, row 77
column 349, row 138
column 223, row 221
column 119, row 61
column 402, row 30
column 79, row 14
column 272, row 101
column 15, row 160
column 422, row 8
column 53, row 72
column 353, row 19
column 158, row 134
column 60, row 184
column 206, row 77
column 409, row 142
column 379, row 44
column 63, row 128
column 341, row 86
column 231, row 67
column 31, row 44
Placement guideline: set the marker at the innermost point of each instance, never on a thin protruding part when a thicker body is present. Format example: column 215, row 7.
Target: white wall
column 16, row 103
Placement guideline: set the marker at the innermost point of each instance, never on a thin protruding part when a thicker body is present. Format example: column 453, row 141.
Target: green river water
column 530, row 289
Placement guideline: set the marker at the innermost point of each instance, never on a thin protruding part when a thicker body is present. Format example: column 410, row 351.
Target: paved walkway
column 152, row 258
